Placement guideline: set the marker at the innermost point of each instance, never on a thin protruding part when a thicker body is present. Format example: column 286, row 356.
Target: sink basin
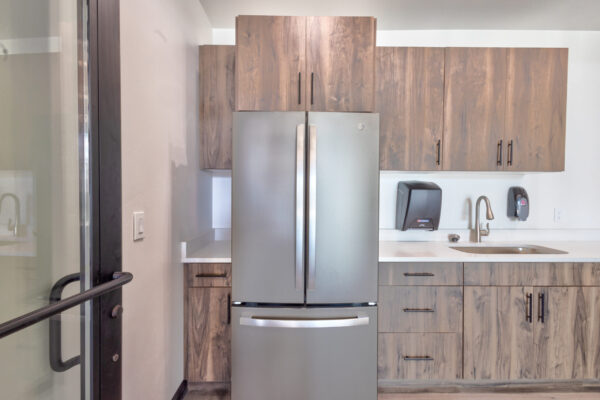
column 523, row 249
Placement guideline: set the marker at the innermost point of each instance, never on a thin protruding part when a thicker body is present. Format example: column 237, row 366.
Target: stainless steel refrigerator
column 305, row 206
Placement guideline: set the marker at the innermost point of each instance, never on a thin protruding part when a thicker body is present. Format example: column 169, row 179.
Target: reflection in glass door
column 44, row 196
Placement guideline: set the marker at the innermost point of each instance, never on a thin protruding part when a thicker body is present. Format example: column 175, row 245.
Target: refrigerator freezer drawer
column 304, row 354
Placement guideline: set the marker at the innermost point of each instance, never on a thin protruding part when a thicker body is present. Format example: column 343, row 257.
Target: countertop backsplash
column 549, row 194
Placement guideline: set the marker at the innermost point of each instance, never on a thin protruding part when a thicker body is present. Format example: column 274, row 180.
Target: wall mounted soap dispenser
column 518, row 203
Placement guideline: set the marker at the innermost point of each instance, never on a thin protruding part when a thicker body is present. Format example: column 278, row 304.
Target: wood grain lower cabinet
column 420, row 309
column 532, row 274
column 498, row 333
column 208, row 323
column 420, row 274
column 209, row 335
column 419, row 356
column 567, row 333
column 409, row 97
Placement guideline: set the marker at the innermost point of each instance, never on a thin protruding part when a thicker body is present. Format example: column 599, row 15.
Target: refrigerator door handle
column 312, row 205
column 283, row 322
column 300, row 182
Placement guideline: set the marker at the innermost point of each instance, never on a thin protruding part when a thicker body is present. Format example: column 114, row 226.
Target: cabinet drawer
column 209, row 275
column 421, row 274
column 532, row 274
column 420, row 309
column 415, row 356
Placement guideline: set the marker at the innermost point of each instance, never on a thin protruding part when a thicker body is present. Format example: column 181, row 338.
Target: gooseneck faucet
column 14, row 227
column 489, row 216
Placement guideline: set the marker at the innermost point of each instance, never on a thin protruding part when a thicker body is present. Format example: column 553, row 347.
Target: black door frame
column 105, row 198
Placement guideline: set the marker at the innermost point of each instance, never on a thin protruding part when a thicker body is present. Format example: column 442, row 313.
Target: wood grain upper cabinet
column 341, row 63
column 409, row 97
column 474, row 109
column 536, row 109
column 217, row 64
column 567, row 333
column 270, row 63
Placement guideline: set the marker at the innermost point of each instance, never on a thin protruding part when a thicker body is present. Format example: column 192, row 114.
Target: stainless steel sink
column 524, row 249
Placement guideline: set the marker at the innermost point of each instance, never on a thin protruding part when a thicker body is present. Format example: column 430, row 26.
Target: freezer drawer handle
column 418, row 310
column 283, row 322
column 418, row 358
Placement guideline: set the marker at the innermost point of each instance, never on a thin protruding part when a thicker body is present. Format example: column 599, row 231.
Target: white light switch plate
column 138, row 225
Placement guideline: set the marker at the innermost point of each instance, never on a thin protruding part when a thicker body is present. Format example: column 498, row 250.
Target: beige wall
column 159, row 73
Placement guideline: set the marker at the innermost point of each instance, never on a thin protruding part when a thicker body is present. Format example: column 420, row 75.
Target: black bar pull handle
column 228, row 309
column 299, row 87
column 438, row 158
column 212, row 275
column 312, row 88
column 418, row 274
column 418, row 310
column 541, row 307
column 418, row 358
column 510, row 153
column 16, row 324
column 55, row 327
column 529, row 307
column 499, row 153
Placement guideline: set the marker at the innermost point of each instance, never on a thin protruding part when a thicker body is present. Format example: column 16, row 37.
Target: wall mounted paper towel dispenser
column 418, row 205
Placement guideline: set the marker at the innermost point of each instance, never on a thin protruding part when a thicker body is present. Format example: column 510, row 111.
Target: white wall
column 161, row 176
column 576, row 192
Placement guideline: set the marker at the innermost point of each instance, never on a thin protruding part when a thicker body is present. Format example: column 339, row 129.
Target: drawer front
column 209, row 275
column 420, row 308
column 416, row 356
column 532, row 274
column 421, row 274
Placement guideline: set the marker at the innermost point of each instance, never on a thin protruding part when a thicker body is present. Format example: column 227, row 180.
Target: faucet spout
column 489, row 216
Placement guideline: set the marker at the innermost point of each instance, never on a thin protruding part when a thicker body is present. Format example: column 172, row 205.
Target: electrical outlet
column 558, row 215
column 138, row 225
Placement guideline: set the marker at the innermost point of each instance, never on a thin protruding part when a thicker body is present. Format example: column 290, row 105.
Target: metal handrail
column 22, row 322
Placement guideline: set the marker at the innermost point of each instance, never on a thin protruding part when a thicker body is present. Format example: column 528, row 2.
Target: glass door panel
column 44, row 204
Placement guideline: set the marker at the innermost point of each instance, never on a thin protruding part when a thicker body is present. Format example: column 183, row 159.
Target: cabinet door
column 217, row 65
column 474, row 107
column 536, row 109
column 209, row 335
column 498, row 333
column 341, row 64
column 410, row 101
column 270, row 63
column 567, row 338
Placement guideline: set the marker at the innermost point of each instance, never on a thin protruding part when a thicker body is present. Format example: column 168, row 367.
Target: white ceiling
column 426, row 14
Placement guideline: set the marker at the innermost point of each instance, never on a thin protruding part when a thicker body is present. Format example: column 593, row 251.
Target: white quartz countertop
column 442, row 252
column 219, row 251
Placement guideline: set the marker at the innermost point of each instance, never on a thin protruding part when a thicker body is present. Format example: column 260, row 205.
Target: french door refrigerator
column 305, row 205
